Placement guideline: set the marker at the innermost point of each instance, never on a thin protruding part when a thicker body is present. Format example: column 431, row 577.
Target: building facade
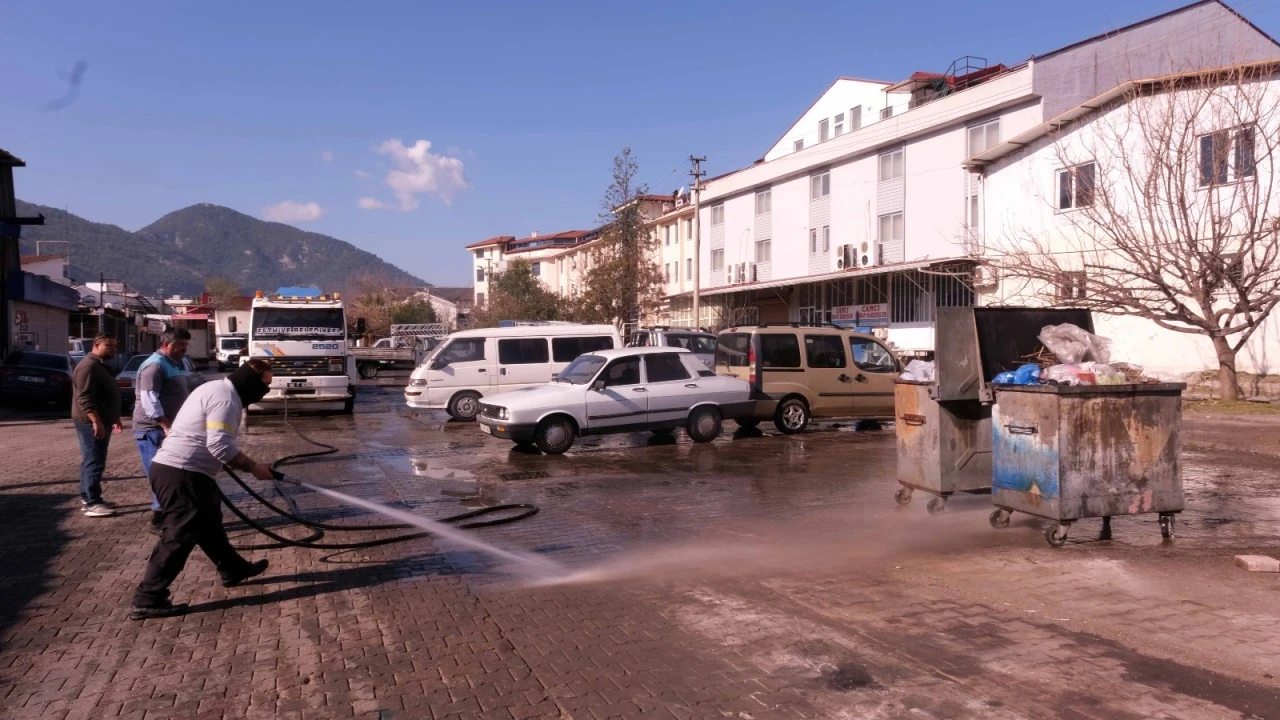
column 879, row 224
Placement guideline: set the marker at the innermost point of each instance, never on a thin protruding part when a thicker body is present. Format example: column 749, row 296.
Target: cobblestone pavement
column 756, row 577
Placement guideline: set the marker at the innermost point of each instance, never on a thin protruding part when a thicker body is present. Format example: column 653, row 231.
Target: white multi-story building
column 875, row 221
column 1148, row 170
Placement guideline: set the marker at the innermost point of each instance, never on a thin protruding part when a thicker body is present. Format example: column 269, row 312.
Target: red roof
column 28, row 259
column 499, row 240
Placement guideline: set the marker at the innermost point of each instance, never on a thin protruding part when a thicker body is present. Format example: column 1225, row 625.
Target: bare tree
column 372, row 299
column 222, row 292
column 1169, row 211
column 623, row 279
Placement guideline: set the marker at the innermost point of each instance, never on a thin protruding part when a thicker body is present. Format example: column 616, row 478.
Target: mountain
column 180, row 250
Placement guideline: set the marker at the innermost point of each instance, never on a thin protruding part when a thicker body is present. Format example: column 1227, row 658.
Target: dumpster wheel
column 1056, row 534
column 1166, row 526
column 903, row 496
column 1000, row 518
column 936, row 505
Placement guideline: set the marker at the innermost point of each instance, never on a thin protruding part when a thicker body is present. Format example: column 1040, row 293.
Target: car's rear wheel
column 464, row 406
column 792, row 416
column 704, row 424
column 368, row 371
column 554, row 435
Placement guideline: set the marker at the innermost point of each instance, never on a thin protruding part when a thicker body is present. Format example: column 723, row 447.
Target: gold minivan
column 798, row 372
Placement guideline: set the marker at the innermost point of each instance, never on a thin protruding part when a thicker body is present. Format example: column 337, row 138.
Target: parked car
column 127, row 377
column 612, row 391
column 28, row 377
column 77, row 348
column 472, row 364
column 798, row 372
column 701, row 344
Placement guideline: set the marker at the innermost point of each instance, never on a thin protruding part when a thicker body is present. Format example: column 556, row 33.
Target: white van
column 473, row 363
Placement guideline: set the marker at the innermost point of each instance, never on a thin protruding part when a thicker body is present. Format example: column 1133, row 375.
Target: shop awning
column 837, row 275
column 189, row 316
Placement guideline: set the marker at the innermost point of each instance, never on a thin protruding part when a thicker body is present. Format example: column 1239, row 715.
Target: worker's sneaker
column 155, row 525
column 159, row 610
column 99, row 509
column 253, row 569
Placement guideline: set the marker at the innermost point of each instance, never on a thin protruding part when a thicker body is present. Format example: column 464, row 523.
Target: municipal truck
column 303, row 333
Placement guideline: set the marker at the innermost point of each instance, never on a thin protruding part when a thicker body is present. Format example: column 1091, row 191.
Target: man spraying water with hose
column 202, row 438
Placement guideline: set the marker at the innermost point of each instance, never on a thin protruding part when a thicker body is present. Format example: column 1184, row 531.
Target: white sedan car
column 621, row 390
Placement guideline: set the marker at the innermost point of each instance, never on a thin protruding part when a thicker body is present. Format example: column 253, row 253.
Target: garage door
column 39, row 327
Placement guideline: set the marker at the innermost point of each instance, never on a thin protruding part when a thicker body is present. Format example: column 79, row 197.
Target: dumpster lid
column 1127, row 389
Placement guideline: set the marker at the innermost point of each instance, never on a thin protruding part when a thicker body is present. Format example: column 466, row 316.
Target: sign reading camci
column 870, row 315
column 155, row 327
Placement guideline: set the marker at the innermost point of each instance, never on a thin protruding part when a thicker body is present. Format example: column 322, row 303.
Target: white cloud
column 290, row 211
column 368, row 203
column 417, row 171
column 327, row 156
column 363, row 174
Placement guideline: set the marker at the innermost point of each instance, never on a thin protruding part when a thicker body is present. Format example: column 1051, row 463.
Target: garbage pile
column 1072, row 356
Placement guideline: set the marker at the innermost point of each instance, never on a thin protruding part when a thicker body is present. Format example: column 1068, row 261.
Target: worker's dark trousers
column 191, row 515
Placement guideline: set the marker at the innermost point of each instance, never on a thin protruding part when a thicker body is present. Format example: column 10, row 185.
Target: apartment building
column 875, row 222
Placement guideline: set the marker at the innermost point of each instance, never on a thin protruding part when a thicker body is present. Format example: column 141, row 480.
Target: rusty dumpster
column 1066, row 453
column 943, row 448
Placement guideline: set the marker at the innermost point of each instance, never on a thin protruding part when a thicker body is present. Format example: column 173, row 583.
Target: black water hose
column 319, row 528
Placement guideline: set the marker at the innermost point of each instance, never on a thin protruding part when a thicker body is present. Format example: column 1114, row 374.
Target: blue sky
column 253, row 104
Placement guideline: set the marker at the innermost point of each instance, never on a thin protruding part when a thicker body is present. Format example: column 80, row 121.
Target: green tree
column 221, row 291
column 516, row 294
column 413, row 311
column 623, row 279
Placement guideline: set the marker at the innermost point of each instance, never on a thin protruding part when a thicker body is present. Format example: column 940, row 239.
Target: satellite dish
column 683, row 189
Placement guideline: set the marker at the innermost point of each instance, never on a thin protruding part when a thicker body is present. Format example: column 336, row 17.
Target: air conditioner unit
column 985, row 276
column 730, row 278
column 844, row 257
column 751, row 273
column 868, row 253
column 742, row 272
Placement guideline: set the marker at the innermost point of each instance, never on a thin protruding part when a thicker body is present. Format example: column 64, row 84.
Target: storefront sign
column 155, row 327
column 873, row 315
column 844, row 313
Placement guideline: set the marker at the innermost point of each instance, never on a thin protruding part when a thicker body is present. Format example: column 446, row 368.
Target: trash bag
column 1106, row 374
column 1068, row 375
column 1025, row 375
column 1073, row 345
column 919, row 371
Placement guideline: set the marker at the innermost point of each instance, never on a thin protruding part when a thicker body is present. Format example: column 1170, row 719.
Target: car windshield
column 47, row 361
column 135, row 362
column 234, row 343
column 581, row 370
column 704, row 344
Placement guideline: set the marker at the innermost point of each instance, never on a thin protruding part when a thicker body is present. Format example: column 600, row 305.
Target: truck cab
column 303, row 334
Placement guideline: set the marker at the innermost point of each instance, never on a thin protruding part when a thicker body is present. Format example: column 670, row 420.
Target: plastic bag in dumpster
column 1025, row 375
column 1073, row 345
column 1106, row 375
column 919, row 371
column 1062, row 375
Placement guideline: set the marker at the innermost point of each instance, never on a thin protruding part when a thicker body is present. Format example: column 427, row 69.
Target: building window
column 666, row 231
column 717, row 260
column 798, row 146
column 1227, row 156
column 819, row 185
column 480, row 254
column 1076, row 186
column 971, row 212
column 764, row 251
column 479, row 274
column 826, row 238
column 855, row 118
column 813, row 241
column 1071, row 285
column 666, row 272
column 764, row 202
column 839, row 124
column 824, row 130
column 717, row 214
column 891, row 227
column 886, row 113
column 820, row 240
column 480, row 299
column 675, row 271
column 688, row 268
column 688, row 228
column 535, row 269
column 984, row 137
column 892, row 165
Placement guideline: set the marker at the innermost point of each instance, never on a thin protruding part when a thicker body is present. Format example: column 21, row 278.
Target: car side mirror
column 439, row 364
column 362, row 326
column 598, row 386
column 232, row 324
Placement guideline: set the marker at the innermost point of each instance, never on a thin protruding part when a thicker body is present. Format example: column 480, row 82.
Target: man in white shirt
column 201, row 440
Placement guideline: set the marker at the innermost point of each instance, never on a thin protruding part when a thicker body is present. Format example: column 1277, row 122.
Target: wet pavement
column 758, row 576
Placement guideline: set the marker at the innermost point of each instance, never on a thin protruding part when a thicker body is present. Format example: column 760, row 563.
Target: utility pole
column 102, row 313
column 697, row 174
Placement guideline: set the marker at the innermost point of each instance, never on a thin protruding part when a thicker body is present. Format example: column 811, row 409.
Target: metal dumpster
column 1065, row 453
column 943, row 448
column 944, row 427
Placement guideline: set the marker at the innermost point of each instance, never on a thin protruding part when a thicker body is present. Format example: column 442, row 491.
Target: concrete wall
column 1203, row 36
